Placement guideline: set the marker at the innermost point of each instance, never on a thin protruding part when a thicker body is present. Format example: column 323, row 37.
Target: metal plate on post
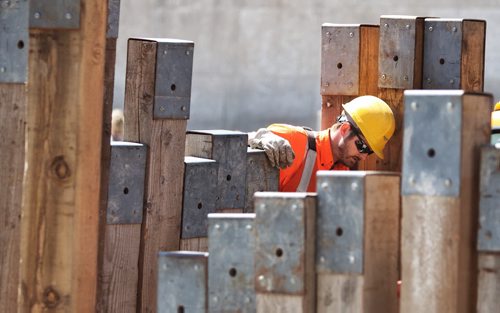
column 174, row 71
column 489, row 201
column 113, row 18
column 442, row 54
column 280, row 242
column 14, row 43
column 231, row 245
column 340, row 59
column 340, row 221
column 261, row 176
column 199, row 195
column 397, row 52
column 126, row 183
column 432, row 143
column 56, row 14
column 182, row 282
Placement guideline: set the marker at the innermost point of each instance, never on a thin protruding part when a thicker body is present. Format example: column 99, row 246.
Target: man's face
column 348, row 151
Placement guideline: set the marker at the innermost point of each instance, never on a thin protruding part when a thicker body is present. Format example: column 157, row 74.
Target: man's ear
column 344, row 129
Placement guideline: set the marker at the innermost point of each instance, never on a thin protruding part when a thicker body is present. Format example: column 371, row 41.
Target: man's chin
column 350, row 164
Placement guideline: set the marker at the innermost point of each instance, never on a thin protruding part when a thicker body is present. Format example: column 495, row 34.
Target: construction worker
column 364, row 127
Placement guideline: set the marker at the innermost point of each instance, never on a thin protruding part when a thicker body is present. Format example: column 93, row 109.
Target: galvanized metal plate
column 280, row 242
column 14, row 43
column 229, row 148
column 442, row 54
column 340, row 59
column 182, row 282
column 126, row 183
column 174, row 71
column 397, row 52
column 60, row 14
column 432, row 143
column 113, row 18
column 261, row 176
column 489, row 201
column 231, row 245
column 340, row 221
column 199, row 195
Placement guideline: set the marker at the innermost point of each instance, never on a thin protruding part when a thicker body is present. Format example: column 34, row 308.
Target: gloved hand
column 278, row 150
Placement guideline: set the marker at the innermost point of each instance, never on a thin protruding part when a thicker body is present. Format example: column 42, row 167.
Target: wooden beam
column 357, row 263
column 12, row 129
column 439, row 224
column 149, row 64
column 60, row 226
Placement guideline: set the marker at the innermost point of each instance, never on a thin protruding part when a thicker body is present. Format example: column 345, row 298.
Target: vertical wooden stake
column 157, row 96
column 440, row 184
column 357, row 241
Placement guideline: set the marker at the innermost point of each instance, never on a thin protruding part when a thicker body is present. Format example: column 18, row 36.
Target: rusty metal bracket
column 56, row 14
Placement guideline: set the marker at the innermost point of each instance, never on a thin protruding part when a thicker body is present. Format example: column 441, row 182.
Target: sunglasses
column 361, row 145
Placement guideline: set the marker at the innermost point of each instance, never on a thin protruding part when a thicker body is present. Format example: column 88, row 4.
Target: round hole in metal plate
column 180, row 309
column 200, row 205
column 441, row 61
column 20, row 44
column 125, row 190
column 339, row 231
column 172, row 87
column 228, row 177
column 431, row 153
column 339, row 65
column 279, row 252
column 232, row 272
column 395, row 58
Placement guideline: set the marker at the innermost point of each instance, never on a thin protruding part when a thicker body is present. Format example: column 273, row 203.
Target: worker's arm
column 278, row 150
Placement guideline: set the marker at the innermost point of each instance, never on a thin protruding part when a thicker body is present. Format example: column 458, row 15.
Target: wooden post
column 182, row 282
column 357, row 241
column 60, row 216
column 109, row 82
column 157, row 96
column 349, row 62
column 13, row 76
column 231, row 286
column 261, row 176
column 488, row 246
column 454, row 54
column 440, row 185
column 400, row 68
column 284, row 252
column 119, row 276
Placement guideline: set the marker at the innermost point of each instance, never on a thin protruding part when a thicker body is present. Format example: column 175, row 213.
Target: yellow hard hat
column 495, row 117
column 374, row 118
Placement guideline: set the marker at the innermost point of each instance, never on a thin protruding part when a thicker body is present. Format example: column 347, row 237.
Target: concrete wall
column 258, row 61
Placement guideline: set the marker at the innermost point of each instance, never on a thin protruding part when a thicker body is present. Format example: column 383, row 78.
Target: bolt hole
column 200, row 205
column 279, row 252
column 180, row 309
column 339, row 65
column 172, row 87
column 125, row 190
column 232, row 272
column 340, row 231
column 431, row 153
column 395, row 58
column 20, row 44
column 228, row 177
column 441, row 61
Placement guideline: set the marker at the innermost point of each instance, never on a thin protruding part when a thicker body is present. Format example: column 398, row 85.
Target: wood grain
column 340, row 293
column 195, row 244
column 473, row 48
column 488, row 283
column 12, row 129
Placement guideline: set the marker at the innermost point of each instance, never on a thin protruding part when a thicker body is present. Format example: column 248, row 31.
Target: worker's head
column 365, row 126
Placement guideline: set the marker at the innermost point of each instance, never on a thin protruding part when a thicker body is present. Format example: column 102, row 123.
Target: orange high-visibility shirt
column 297, row 136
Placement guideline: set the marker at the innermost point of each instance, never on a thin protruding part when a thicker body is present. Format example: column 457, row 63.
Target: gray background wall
column 258, row 61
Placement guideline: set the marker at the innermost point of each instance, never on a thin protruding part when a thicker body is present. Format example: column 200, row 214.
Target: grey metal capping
column 397, row 51
column 14, row 41
column 174, row 71
column 340, row 44
column 261, row 176
column 340, row 221
column 229, row 148
column 57, row 14
column 432, row 166
column 113, row 18
column 182, row 282
column 280, row 242
column 489, row 201
column 231, row 244
column 199, row 195
column 126, row 183
column 442, row 54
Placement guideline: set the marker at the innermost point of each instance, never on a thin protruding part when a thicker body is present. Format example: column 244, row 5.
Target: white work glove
column 278, row 150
